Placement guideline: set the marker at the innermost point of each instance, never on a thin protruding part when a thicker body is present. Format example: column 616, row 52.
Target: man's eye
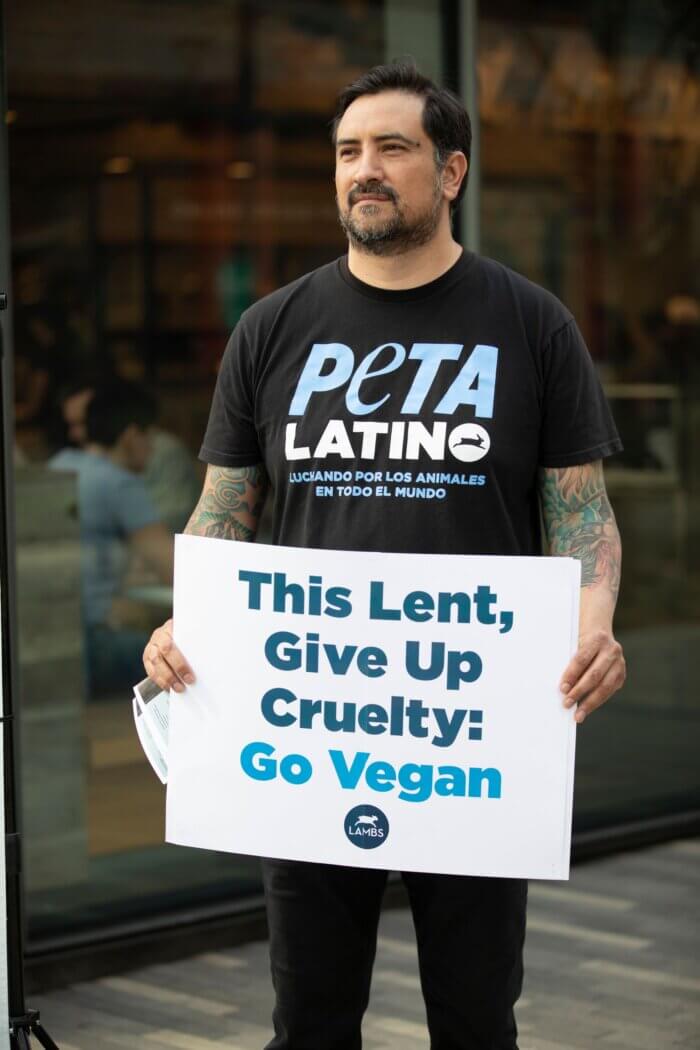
column 345, row 153
column 395, row 146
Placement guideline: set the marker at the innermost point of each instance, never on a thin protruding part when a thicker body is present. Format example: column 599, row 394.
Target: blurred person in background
column 74, row 402
column 171, row 474
column 44, row 358
column 32, row 398
column 118, row 518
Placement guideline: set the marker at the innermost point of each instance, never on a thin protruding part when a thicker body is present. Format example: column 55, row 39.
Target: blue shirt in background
column 112, row 503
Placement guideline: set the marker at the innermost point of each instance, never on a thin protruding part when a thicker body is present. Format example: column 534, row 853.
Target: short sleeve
column 577, row 425
column 231, row 438
column 132, row 505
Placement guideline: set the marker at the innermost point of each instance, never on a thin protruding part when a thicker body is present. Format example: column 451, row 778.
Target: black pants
column 323, row 931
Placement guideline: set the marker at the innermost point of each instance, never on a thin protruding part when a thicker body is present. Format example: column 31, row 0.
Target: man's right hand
column 229, row 508
column 164, row 662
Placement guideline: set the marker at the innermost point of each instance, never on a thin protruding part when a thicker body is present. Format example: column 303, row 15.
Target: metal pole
column 22, row 1024
column 7, row 607
column 469, row 90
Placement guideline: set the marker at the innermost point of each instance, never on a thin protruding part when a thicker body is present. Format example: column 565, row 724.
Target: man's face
column 388, row 187
column 74, row 412
column 135, row 445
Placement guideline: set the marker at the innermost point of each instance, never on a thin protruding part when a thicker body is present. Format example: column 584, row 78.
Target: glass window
column 169, row 165
column 590, row 126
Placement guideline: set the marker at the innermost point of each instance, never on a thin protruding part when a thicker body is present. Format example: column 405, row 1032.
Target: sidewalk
column 612, row 961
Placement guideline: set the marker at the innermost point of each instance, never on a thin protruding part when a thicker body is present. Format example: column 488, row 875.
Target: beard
column 394, row 234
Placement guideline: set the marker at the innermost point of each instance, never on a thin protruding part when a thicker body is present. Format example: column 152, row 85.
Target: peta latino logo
column 366, row 827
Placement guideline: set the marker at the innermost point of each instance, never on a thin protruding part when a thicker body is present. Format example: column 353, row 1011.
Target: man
column 74, row 404
column 409, row 355
column 117, row 518
column 170, row 473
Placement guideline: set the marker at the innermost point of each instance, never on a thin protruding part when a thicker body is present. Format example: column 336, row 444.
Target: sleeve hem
column 143, row 523
column 229, row 459
column 584, row 455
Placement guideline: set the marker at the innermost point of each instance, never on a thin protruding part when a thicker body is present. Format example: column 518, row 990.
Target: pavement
column 612, row 961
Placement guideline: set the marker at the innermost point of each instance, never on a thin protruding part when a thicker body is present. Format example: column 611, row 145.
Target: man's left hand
column 596, row 671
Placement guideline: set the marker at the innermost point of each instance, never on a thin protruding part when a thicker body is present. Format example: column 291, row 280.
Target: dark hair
column 445, row 120
column 115, row 406
column 89, row 379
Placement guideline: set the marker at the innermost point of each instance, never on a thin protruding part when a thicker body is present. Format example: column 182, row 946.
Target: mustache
column 370, row 187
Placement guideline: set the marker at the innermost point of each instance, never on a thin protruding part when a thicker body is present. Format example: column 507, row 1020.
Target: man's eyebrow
column 381, row 138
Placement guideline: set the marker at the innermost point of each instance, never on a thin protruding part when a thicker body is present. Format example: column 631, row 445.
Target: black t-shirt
column 411, row 420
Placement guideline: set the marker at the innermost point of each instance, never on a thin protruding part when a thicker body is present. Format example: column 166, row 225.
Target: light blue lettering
column 477, row 777
column 352, row 397
column 416, row 782
column 475, row 385
column 295, row 769
column 380, row 776
column 431, row 356
column 257, row 762
column 311, row 380
column 349, row 776
column 451, row 781
column 255, row 765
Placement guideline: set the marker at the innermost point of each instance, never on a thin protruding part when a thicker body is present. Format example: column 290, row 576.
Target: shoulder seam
column 290, row 290
column 556, row 332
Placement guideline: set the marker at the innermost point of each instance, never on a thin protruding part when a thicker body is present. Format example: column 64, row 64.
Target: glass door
column 169, row 163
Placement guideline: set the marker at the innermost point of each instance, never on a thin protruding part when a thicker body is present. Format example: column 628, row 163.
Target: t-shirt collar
column 421, row 291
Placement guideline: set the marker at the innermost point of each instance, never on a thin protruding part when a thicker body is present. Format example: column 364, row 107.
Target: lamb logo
column 366, row 827
column 469, row 442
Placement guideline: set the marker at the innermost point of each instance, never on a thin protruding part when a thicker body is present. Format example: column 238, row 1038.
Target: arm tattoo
column 231, row 503
column 579, row 522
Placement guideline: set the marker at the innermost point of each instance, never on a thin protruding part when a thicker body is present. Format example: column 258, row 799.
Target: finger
column 163, row 640
column 584, row 655
column 592, row 677
column 160, row 670
column 614, row 680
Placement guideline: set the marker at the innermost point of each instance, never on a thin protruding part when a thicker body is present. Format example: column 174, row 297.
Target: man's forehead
column 374, row 116
column 75, row 404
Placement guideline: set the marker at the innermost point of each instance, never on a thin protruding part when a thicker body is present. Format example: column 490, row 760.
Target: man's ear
column 129, row 441
column 127, row 435
column 453, row 174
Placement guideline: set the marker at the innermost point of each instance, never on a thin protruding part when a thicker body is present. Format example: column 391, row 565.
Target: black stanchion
column 24, row 1023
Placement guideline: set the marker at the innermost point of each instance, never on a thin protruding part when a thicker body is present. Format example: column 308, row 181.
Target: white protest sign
column 375, row 710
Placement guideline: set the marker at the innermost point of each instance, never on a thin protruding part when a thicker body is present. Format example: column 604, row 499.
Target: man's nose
column 369, row 167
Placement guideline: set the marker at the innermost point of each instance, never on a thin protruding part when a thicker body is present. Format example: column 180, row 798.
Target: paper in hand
column 151, row 718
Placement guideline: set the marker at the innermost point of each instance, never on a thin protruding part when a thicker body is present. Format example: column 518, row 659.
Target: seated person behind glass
column 170, row 475
column 117, row 517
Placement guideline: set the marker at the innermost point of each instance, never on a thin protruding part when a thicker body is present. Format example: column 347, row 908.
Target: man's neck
column 408, row 270
column 112, row 454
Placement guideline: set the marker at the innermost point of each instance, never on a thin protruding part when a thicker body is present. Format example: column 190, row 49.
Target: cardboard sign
column 376, row 710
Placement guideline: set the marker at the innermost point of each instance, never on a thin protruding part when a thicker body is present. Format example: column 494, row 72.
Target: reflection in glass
column 170, row 164
column 590, row 154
